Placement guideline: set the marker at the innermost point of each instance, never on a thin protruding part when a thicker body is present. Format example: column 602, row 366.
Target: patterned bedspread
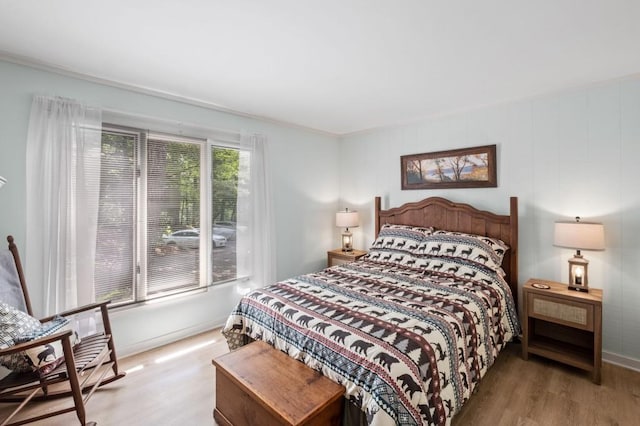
column 408, row 342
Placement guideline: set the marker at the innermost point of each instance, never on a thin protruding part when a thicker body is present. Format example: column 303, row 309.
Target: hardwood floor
column 180, row 391
column 176, row 391
column 540, row 392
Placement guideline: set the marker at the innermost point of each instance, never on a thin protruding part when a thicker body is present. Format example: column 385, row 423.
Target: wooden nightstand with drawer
column 338, row 257
column 563, row 325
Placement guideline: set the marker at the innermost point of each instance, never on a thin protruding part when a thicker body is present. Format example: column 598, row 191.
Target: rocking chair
column 82, row 369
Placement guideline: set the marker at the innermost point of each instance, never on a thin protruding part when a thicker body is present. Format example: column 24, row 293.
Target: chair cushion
column 10, row 288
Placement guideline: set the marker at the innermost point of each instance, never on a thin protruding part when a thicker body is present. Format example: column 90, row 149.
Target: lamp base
column 578, row 273
column 347, row 241
column 581, row 288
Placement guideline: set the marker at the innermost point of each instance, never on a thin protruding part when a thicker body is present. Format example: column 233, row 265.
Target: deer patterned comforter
column 409, row 342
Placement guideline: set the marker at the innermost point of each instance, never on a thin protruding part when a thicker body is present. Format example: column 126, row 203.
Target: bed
column 410, row 328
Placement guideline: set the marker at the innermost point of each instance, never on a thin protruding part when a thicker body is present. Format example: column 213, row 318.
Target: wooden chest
column 258, row 384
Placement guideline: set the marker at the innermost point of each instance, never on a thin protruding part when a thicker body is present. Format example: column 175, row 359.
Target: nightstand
column 563, row 325
column 338, row 257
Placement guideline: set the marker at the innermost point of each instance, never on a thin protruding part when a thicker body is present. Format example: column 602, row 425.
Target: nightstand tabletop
column 352, row 253
column 562, row 290
column 338, row 257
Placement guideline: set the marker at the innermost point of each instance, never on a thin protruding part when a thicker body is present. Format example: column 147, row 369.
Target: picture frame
column 473, row 167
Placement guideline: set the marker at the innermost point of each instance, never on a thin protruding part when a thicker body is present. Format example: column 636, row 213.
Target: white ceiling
column 334, row 65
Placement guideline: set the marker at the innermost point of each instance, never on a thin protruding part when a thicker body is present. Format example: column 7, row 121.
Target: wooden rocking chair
column 87, row 365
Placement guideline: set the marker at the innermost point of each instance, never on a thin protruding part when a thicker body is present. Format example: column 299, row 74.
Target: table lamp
column 347, row 219
column 580, row 236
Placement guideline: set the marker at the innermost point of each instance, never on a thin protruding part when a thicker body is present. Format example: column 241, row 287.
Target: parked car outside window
column 190, row 238
column 226, row 231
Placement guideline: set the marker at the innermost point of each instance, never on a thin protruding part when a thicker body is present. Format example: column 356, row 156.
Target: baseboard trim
column 168, row 338
column 622, row 361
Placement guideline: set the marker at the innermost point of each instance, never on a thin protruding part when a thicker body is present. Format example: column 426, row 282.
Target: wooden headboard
column 444, row 214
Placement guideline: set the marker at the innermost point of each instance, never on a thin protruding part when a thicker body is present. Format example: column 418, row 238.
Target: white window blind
column 167, row 219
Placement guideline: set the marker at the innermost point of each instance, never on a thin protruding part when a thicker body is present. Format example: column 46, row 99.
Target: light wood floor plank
column 538, row 392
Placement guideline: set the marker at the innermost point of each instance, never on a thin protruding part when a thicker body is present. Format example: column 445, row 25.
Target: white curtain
column 255, row 244
column 63, row 185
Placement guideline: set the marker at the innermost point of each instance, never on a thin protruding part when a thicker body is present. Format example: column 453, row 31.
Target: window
column 167, row 214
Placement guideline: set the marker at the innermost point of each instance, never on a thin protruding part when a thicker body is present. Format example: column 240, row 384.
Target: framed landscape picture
column 458, row 168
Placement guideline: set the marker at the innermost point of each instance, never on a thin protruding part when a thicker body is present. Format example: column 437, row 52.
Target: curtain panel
column 255, row 250
column 63, row 185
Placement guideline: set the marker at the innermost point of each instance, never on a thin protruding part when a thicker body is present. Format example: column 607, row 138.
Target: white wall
column 571, row 154
column 305, row 184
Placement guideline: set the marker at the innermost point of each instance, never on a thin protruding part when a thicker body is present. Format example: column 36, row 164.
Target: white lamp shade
column 2, row 181
column 347, row 219
column 579, row 235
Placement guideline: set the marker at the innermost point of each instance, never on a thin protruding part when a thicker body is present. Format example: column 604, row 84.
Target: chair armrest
column 85, row 308
column 104, row 312
column 60, row 335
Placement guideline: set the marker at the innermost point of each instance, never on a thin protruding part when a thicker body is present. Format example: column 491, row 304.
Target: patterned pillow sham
column 397, row 243
column 486, row 251
column 389, row 256
column 400, row 238
column 456, row 266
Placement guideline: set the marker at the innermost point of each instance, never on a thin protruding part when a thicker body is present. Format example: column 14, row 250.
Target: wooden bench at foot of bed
column 258, row 384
